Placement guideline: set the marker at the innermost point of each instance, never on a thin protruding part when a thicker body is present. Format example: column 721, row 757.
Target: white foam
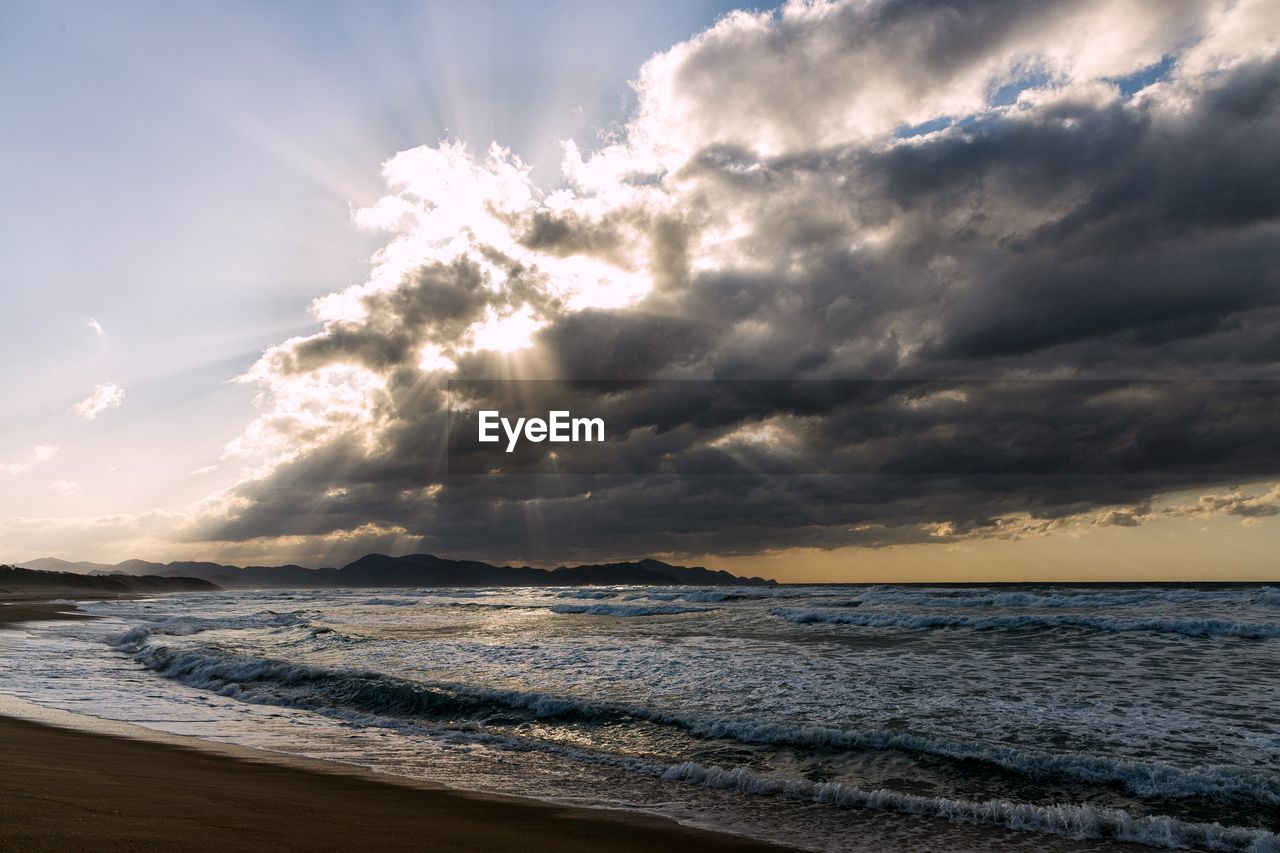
column 1189, row 627
column 622, row 609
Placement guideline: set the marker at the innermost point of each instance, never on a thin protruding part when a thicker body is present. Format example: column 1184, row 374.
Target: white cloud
column 1249, row 505
column 108, row 396
column 40, row 453
column 818, row 74
column 65, row 488
column 97, row 327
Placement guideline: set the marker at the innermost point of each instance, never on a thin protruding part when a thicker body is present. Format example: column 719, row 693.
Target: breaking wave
column 1011, row 599
column 713, row 596
column 686, row 743
column 184, row 626
column 1063, row 597
column 1070, row 820
column 1077, row 821
column 1187, row 627
column 338, row 692
column 367, row 693
column 623, row 609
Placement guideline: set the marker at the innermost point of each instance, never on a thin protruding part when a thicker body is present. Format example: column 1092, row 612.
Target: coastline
column 73, row 782
column 15, row 612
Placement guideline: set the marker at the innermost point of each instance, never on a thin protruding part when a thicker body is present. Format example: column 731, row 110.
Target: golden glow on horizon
column 1166, row 550
column 1171, row 548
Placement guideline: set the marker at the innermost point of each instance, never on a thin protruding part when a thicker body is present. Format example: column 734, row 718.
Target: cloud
column 928, row 192
column 96, row 327
column 65, row 488
column 98, row 538
column 109, row 396
column 39, row 454
column 818, row 75
column 1248, row 505
column 1237, row 503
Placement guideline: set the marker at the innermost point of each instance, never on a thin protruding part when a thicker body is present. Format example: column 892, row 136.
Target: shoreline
column 14, row 612
column 70, row 781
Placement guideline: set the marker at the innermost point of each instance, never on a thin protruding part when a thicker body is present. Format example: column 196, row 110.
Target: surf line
column 559, row 426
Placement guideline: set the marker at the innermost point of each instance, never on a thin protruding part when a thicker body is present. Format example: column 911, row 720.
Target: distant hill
column 650, row 572
column 19, row 580
column 412, row 570
column 53, row 564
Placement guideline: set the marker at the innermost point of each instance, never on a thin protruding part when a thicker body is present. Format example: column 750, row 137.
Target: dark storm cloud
column 437, row 302
column 867, row 463
column 1172, row 234
column 1076, row 234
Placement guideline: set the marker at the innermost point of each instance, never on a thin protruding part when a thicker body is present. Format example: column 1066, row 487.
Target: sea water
column 825, row 717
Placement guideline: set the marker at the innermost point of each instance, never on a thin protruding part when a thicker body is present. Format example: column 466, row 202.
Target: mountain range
column 412, row 570
column 16, row 580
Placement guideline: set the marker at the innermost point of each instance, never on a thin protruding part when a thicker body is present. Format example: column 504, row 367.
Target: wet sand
column 30, row 611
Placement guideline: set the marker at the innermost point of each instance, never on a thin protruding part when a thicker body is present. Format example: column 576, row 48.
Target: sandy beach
column 15, row 612
column 63, row 789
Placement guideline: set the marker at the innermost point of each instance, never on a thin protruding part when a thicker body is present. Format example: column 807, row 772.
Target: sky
column 245, row 247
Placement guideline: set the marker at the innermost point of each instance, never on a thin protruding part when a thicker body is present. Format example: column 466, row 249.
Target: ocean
column 824, row 717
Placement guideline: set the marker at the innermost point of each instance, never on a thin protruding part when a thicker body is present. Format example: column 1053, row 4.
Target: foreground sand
column 75, row 790
column 28, row 611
